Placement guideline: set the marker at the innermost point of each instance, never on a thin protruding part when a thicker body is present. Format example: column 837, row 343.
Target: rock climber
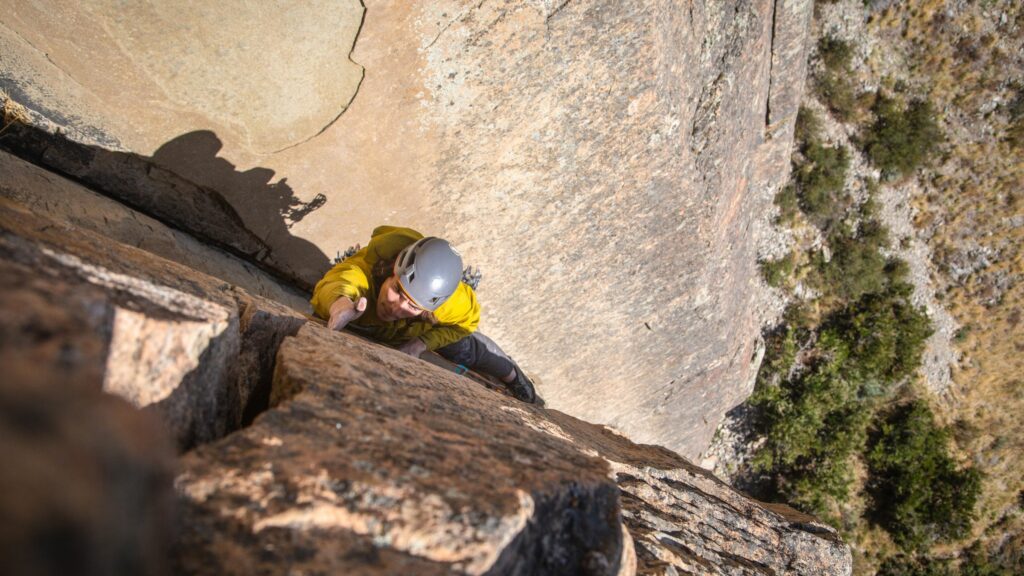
column 406, row 290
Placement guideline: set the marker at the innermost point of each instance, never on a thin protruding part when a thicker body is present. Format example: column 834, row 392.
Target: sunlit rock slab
column 368, row 445
column 191, row 350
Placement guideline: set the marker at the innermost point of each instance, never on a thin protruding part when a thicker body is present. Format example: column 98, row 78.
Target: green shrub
column 973, row 562
column 788, row 202
column 885, row 334
column 1015, row 132
column 820, row 179
column 807, row 129
column 1015, row 126
column 815, row 419
column 776, row 272
column 834, row 84
column 902, row 138
column 836, row 91
column 813, row 423
column 856, row 267
column 977, row 563
column 917, row 492
column 914, row 566
column 836, row 54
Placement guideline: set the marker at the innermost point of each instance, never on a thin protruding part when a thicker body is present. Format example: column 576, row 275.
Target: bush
column 974, row 564
column 788, row 202
column 836, row 91
column 885, row 335
column 902, row 139
column 857, row 267
column 834, row 85
column 813, row 424
column 815, row 419
column 820, row 179
column 917, row 492
column 776, row 272
column 836, row 54
column 914, row 566
column 808, row 127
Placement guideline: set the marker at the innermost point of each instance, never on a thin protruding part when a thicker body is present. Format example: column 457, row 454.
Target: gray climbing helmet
column 429, row 271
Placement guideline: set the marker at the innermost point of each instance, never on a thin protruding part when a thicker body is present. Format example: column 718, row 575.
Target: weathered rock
column 58, row 198
column 369, row 449
column 370, row 444
column 682, row 518
column 144, row 72
column 186, row 346
column 614, row 158
column 143, row 184
column 85, row 485
column 369, row 462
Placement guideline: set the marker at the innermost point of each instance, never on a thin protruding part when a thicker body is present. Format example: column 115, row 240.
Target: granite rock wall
column 608, row 164
column 305, row 449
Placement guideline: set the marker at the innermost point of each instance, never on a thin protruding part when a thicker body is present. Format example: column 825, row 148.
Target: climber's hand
column 413, row 347
column 344, row 311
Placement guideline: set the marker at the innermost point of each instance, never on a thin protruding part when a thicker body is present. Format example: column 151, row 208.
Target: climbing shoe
column 522, row 388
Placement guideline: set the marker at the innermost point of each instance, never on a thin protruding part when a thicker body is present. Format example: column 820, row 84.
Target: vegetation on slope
column 927, row 97
column 829, row 376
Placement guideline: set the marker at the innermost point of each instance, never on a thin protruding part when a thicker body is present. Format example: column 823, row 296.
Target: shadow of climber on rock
column 268, row 209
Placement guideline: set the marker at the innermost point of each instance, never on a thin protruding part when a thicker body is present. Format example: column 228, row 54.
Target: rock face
column 191, row 349
column 607, row 163
column 400, row 454
column 621, row 161
column 369, row 448
column 269, row 78
column 65, row 201
column 85, row 485
column 358, row 459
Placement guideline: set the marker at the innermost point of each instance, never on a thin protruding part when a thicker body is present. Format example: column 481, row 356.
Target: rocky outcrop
column 66, row 201
column 85, row 485
column 358, row 459
column 396, row 453
column 193, row 350
column 142, row 185
column 367, row 448
column 608, row 164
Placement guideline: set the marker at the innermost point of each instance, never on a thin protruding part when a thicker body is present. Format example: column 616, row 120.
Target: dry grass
column 13, row 113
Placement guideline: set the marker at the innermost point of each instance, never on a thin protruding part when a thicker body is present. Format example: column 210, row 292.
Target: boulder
column 367, row 446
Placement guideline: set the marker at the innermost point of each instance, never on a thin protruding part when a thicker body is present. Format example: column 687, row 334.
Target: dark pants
column 479, row 353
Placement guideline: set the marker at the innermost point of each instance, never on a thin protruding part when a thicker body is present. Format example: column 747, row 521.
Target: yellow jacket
column 354, row 278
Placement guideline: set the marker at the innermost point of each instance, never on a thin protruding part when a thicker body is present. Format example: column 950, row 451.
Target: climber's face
column 393, row 304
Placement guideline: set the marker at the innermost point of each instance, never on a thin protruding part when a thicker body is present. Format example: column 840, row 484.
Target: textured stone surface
column 188, row 347
column 618, row 173
column 377, row 447
column 85, row 485
column 608, row 164
column 368, row 461
column 270, row 76
column 143, row 184
column 61, row 199
column 368, row 449
column 683, row 520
